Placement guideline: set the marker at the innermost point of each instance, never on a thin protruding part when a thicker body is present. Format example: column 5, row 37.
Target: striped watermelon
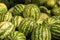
column 18, row 9
column 17, row 20
column 16, row 36
column 55, row 28
column 3, row 8
column 32, row 11
column 41, row 32
column 26, row 26
column 5, row 29
column 56, row 11
column 6, row 17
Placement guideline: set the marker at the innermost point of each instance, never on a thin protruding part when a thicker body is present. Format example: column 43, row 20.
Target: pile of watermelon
column 29, row 19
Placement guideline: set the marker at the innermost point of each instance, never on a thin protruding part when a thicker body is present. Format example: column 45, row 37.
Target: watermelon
column 17, row 20
column 32, row 11
column 6, row 17
column 26, row 26
column 56, row 11
column 5, row 29
column 55, row 28
column 3, row 8
column 18, row 9
column 16, row 36
column 41, row 32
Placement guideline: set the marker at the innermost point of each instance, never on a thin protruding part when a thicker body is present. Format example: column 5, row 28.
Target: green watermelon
column 26, row 26
column 41, row 32
column 5, row 29
column 18, row 9
column 56, row 11
column 17, row 20
column 3, row 8
column 16, row 36
column 55, row 28
column 6, row 17
column 32, row 11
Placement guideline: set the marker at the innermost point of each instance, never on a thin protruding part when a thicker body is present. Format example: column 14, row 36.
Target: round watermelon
column 41, row 32
column 6, row 17
column 32, row 11
column 26, row 26
column 5, row 29
column 17, row 20
column 18, row 9
column 55, row 28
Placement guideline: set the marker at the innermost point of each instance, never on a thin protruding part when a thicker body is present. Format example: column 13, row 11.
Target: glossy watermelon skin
column 32, row 11
column 5, row 29
column 16, row 36
column 41, row 32
column 26, row 26
column 18, row 9
column 17, row 20
column 6, row 17
column 3, row 8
